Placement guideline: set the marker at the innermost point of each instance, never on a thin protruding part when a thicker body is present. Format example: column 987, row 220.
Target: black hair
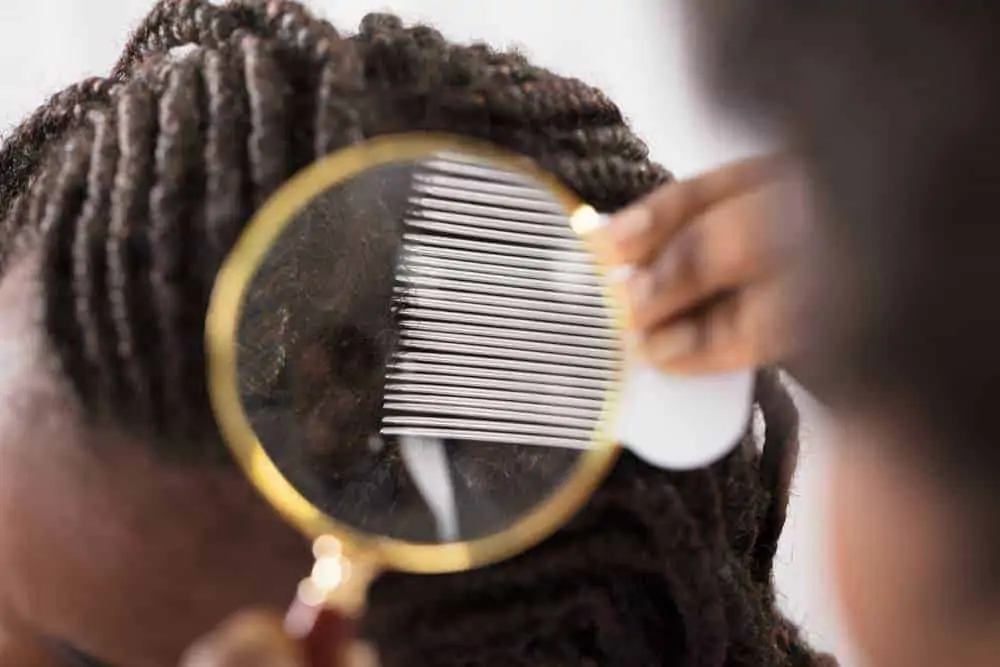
column 893, row 106
column 660, row 568
column 134, row 187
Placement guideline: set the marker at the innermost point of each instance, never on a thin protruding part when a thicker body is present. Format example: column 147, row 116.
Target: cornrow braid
column 24, row 149
column 134, row 187
column 777, row 465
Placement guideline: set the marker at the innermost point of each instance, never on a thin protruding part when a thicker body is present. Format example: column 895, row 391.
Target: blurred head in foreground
column 892, row 108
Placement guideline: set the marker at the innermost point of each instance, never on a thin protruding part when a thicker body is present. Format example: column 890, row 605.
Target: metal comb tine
column 512, row 354
column 447, row 303
column 497, row 287
column 484, row 192
column 477, row 222
column 461, row 157
column 574, row 274
column 464, row 182
column 464, row 169
column 555, row 221
column 508, row 417
column 489, row 436
column 496, row 363
column 427, row 244
column 473, row 189
column 557, row 327
column 407, row 388
column 418, row 374
column 550, row 305
column 583, row 433
column 533, row 408
column 496, row 295
column 538, row 241
column 512, row 334
column 578, row 257
column 491, row 341
column 530, row 278
column 428, row 364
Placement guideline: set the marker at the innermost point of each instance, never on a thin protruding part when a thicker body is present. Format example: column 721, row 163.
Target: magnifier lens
column 424, row 351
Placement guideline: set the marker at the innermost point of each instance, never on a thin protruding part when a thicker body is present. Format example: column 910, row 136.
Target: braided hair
column 660, row 568
column 132, row 189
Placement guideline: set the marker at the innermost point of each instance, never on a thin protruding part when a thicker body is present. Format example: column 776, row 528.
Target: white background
column 635, row 51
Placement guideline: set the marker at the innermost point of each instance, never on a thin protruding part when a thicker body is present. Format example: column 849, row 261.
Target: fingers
column 726, row 248
column 635, row 234
column 251, row 639
column 709, row 261
column 746, row 329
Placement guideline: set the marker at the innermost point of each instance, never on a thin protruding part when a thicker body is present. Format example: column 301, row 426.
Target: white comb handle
column 681, row 422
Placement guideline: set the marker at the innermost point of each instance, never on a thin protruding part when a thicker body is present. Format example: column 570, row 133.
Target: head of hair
column 893, row 106
column 132, row 188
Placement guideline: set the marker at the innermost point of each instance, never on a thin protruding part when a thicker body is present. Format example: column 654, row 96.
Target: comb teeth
column 504, row 332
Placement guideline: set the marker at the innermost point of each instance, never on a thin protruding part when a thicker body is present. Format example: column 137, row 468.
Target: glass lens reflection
column 424, row 352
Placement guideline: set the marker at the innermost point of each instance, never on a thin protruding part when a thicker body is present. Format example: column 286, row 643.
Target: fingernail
column 675, row 341
column 630, row 224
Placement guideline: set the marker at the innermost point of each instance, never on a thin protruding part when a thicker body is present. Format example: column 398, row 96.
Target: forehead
column 26, row 379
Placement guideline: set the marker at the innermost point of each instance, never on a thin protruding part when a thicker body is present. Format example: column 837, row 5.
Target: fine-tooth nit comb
column 508, row 335
column 505, row 334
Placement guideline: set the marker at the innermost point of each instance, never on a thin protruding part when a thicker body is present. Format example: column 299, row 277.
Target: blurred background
column 636, row 50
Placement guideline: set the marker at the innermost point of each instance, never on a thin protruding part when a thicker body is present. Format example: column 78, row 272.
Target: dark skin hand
column 103, row 546
column 713, row 264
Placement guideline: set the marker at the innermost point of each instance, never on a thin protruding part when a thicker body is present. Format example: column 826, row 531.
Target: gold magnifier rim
column 222, row 324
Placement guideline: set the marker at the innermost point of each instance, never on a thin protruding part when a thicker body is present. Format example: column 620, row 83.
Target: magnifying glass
column 415, row 360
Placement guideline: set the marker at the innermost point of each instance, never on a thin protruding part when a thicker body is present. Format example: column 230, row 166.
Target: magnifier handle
column 326, row 634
